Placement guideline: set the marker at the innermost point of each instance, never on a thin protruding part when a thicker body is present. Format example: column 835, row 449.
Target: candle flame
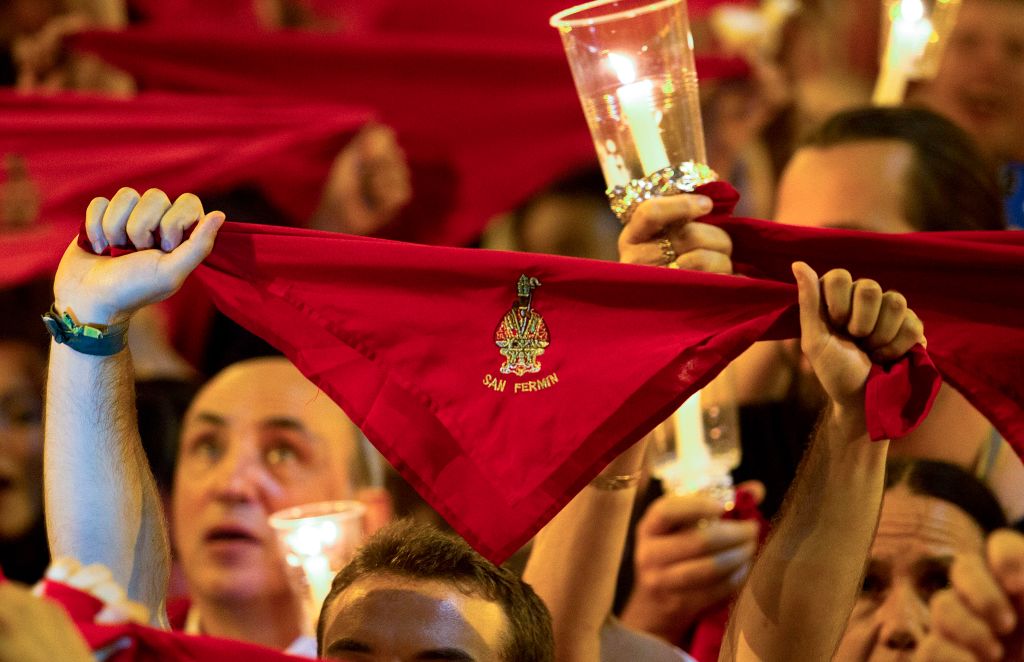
column 911, row 10
column 623, row 66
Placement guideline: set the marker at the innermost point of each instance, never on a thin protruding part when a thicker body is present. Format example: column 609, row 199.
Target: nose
column 237, row 478
column 903, row 619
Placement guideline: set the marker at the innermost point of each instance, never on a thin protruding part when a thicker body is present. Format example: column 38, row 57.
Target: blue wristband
column 84, row 338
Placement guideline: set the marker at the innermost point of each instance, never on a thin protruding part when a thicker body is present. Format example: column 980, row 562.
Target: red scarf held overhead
column 487, row 119
column 436, row 356
column 75, row 147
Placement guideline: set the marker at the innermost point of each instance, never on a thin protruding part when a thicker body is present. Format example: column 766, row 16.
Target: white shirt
column 303, row 646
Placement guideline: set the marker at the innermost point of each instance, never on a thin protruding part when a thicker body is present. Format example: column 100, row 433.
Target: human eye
column 282, row 453
column 932, row 580
column 206, row 447
column 874, row 585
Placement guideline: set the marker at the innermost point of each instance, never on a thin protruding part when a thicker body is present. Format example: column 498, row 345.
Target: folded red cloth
column 131, row 642
column 75, row 147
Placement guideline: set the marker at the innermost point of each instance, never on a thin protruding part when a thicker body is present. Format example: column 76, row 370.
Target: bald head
column 258, row 438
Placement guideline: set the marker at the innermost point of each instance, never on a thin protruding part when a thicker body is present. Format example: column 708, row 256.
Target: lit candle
column 636, row 99
column 909, row 32
column 309, row 543
column 693, row 460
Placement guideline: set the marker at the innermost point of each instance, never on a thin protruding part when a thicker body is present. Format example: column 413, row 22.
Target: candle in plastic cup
column 915, row 33
column 697, row 448
column 633, row 65
column 317, row 540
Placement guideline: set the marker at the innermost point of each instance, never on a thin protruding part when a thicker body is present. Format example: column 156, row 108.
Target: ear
column 379, row 508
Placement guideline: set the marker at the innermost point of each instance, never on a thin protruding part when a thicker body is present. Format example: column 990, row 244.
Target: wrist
column 844, row 430
column 846, row 421
column 91, row 339
column 89, row 312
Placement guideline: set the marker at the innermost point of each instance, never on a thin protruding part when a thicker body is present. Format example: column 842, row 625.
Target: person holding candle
column 888, row 170
column 876, row 169
column 579, row 590
column 257, row 438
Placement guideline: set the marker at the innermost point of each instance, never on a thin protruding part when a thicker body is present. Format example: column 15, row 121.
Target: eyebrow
column 212, row 419
column 451, row 654
column 283, row 423
column 348, row 645
column 941, row 560
column 274, row 422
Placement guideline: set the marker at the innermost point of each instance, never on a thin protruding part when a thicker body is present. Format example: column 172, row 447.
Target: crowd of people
column 172, row 434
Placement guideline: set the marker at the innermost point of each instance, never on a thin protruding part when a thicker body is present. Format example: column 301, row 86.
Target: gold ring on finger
column 668, row 252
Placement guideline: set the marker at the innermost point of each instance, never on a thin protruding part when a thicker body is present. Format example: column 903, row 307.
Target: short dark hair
column 950, row 483
column 951, row 186
column 417, row 551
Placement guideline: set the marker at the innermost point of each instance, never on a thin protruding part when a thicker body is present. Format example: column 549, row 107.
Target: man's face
column 855, row 186
column 859, row 185
column 916, row 540
column 257, row 439
column 396, row 619
column 21, row 443
column 980, row 82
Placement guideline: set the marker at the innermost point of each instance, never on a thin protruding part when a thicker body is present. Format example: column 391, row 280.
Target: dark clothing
column 25, row 559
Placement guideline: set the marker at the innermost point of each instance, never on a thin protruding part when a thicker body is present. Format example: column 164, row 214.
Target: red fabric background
column 77, row 147
column 486, row 119
column 967, row 287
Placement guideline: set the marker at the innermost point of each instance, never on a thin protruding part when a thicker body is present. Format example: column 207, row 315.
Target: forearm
column 805, row 581
column 575, row 561
column 102, row 504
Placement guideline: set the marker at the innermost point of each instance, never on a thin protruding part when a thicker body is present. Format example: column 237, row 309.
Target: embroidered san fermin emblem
column 522, row 335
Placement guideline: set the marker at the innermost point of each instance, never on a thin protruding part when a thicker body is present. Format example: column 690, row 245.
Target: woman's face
column 21, row 439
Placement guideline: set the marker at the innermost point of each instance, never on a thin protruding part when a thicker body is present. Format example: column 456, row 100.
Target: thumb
column 186, row 257
column 812, row 325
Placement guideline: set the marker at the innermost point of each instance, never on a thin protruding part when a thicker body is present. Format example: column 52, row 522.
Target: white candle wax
column 908, row 36
column 691, row 451
column 319, row 575
column 636, row 100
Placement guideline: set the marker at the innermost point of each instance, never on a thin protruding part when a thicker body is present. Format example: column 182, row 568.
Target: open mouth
column 6, row 483
column 230, row 534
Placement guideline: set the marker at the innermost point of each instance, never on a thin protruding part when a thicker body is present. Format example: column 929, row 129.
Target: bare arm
column 101, row 500
column 102, row 503
column 574, row 566
column 804, row 583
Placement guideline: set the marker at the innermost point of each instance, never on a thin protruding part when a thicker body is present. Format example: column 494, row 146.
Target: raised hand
column 663, row 232
column 98, row 289
column 845, row 325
